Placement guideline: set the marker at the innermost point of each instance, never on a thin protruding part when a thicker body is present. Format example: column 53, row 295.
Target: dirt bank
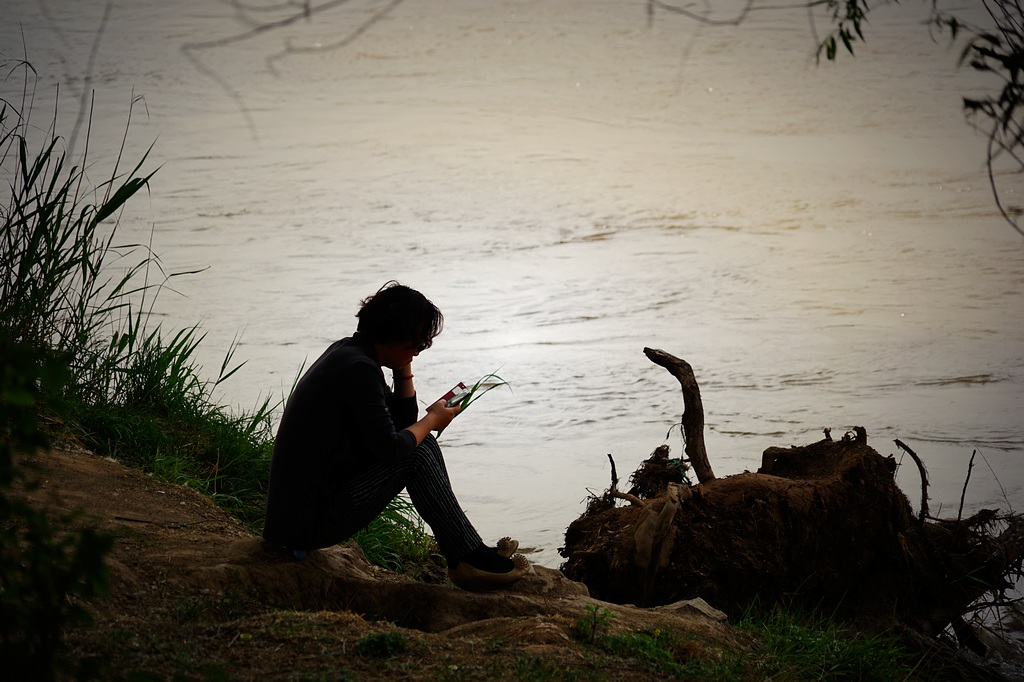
column 195, row 595
column 193, row 590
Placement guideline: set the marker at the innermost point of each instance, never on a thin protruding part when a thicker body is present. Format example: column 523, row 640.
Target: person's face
column 395, row 355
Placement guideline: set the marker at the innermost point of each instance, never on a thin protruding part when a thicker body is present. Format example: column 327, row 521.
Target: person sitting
column 348, row 444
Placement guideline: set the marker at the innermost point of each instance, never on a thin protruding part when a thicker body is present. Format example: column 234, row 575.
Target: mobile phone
column 455, row 395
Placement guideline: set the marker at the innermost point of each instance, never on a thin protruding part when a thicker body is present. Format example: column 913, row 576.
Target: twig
column 963, row 493
column 614, row 492
column 999, row 483
column 344, row 42
column 702, row 18
column 632, row 499
column 924, row 478
column 992, row 179
column 257, row 29
column 615, row 476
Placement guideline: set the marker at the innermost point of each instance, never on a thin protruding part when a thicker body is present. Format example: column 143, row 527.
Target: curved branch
column 992, row 182
column 924, row 478
column 693, row 411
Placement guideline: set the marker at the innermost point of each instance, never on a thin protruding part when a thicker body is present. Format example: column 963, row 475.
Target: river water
column 571, row 183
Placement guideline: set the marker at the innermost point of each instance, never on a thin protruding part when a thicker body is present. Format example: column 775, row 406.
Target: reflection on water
column 571, row 185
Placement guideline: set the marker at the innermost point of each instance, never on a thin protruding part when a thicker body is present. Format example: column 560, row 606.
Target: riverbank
column 195, row 595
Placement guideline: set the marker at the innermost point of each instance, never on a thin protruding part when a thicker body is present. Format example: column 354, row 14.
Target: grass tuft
column 797, row 646
column 397, row 539
column 382, row 645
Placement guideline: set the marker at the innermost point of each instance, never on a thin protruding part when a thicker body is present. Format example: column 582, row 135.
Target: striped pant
column 424, row 475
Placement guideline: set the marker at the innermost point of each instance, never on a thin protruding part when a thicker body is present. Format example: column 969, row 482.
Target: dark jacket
column 341, row 418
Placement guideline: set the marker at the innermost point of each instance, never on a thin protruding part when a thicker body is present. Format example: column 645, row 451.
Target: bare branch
column 963, row 493
column 302, row 11
column 924, row 478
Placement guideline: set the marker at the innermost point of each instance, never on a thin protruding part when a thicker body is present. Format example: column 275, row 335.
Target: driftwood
column 824, row 526
column 693, row 411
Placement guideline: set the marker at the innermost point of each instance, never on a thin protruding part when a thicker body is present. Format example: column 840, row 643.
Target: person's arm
column 404, row 387
column 402, row 402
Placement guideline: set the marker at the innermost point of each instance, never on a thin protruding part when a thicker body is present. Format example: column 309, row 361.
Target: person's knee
column 428, row 459
column 428, row 449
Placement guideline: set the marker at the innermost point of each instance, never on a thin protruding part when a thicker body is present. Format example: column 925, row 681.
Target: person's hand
column 442, row 415
column 437, row 418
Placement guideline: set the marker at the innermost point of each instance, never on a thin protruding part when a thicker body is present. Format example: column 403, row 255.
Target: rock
column 548, row 582
column 695, row 607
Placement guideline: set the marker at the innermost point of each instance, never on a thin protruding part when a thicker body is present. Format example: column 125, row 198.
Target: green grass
column 789, row 646
column 397, row 539
column 483, row 385
column 655, row 649
column 797, row 646
column 67, row 286
column 595, row 621
column 382, row 645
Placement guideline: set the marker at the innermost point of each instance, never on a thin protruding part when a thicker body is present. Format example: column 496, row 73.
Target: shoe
column 474, row 580
column 507, row 547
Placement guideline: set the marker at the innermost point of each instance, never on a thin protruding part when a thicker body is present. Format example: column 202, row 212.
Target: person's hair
column 399, row 314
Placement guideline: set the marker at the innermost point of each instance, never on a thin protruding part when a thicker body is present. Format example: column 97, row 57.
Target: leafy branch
column 997, row 51
column 999, row 115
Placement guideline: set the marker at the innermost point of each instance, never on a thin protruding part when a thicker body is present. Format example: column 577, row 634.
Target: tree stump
column 824, row 526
